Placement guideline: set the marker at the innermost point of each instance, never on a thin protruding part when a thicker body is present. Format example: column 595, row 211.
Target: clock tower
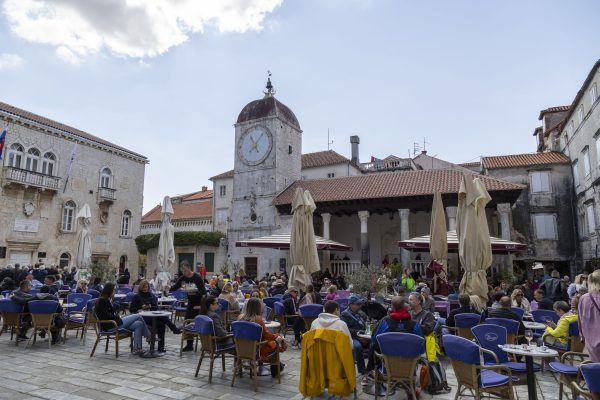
column 268, row 143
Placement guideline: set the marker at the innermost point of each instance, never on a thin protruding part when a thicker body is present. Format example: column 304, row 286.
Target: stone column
column 326, row 253
column 451, row 213
column 404, row 234
column 504, row 218
column 364, row 237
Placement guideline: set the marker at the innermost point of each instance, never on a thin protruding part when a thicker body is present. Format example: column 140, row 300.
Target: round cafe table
column 272, row 326
column 154, row 315
column 529, row 352
column 120, row 296
column 533, row 325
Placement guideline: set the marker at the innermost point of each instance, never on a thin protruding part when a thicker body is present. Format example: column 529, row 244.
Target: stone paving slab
column 67, row 372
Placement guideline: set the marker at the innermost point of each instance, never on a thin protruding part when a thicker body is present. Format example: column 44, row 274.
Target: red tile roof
column 61, row 127
column 524, row 160
column 387, row 185
column 202, row 194
column 181, row 211
column 309, row 160
column 553, row 110
column 470, row 164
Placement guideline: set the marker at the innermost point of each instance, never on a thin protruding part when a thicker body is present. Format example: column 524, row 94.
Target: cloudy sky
column 167, row 78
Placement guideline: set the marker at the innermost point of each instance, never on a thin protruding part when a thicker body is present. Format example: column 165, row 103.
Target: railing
column 105, row 193
column 30, row 178
column 343, row 266
column 419, row 266
column 387, row 165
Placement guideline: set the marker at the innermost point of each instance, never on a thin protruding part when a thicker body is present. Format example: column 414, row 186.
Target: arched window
column 15, row 155
column 48, row 163
column 126, row 224
column 68, row 217
column 122, row 263
column 64, row 260
column 32, row 160
column 105, row 178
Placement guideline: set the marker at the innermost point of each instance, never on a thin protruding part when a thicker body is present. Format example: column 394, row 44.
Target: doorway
column 22, row 258
column 251, row 266
column 209, row 262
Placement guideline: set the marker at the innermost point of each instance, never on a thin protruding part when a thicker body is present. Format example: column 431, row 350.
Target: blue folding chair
column 512, row 327
column 42, row 314
column 212, row 345
column 75, row 316
column 267, row 313
column 591, row 374
column 279, row 296
column 519, row 311
column 310, row 312
column 11, row 317
column 248, row 339
column 568, row 370
column 343, row 303
column 6, row 293
column 490, row 337
column 465, row 357
column 123, row 290
column 463, row 324
column 269, row 301
column 282, row 318
column 94, row 293
column 541, row 316
column 400, row 353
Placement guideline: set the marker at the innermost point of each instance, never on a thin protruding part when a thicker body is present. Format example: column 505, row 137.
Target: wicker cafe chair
column 490, row 337
column 189, row 332
column 114, row 333
column 42, row 314
column 282, row 318
column 11, row 318
column 568, row 370
column 471, row 375
column 90, row 318
column 400, row 353
column 512, row 327
column 463, row 324
column 227, row 314
column 212, row 345
column 591, row 374
column 76, row 317
column 310, row 312
column 247, row 336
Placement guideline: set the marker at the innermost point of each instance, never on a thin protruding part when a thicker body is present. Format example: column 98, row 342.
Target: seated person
column 50, row 281
column 97, row 284
column 262, row 289
column 519, row 300
column 424, row 318
column 330, row 319
column 428, row 302
column 544, row 303
column 399, row 320
column 465, row 308
column 278, row 288
column 208, row 306
column 291, row 305
column 505, row 311
column 332, row 293
column 145, row 300
column 253, row 313
column 310, row 297
column 236, row 292
column 82, row 286
column 557, row 335
column 356, row 320
column 104, row 311
column 22, row 296
column 227, row 294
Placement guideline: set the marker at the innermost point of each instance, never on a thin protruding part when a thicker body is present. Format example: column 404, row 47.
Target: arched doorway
column 122, row 263
column 64, row 260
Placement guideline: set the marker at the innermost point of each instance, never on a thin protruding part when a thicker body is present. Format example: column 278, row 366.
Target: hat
column 278, row 282
column 273, row 277
column 355, row 299
column 293, row 289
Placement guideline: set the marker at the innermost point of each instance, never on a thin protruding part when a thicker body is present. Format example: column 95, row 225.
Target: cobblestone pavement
column 67, row 372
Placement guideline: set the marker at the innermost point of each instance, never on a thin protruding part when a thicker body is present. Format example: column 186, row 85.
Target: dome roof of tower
column 268, row 106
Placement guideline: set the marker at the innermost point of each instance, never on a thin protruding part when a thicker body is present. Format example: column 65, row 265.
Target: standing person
column 104, row 311
column 589, row 316
column 191, row 280
column 356, row 320
column 203, row 271
column 579, row 282
column 555, row 287
column 145, row 300
column 408, row 281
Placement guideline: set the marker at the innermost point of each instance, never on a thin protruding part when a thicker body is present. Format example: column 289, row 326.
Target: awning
column 499, row 246
column 282, row 242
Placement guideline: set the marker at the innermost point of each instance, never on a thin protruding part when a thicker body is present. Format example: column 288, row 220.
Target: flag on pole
column 3, row 141
column 70, row 166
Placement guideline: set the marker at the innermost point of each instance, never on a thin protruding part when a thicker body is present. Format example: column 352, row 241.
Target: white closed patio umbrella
column 83, row 258
column 166, row 247
column 303, row 246
column 475, row 250
column 438, row 247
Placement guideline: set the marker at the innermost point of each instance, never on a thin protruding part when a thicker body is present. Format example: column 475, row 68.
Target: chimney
column 424, row 152
column 355, row 141
column 204, row 188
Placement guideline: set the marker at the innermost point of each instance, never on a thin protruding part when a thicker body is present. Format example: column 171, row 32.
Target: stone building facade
column 42, row 191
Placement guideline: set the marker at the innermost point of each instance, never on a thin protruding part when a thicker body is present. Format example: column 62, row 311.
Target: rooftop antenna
column 270, row 92
column 329, row 142
column 425, row 143
column 416, row 148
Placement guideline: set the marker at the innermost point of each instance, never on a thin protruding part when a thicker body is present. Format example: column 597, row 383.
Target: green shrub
column 146, row 242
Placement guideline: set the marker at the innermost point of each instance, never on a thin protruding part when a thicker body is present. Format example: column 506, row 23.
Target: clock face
column 255, row 145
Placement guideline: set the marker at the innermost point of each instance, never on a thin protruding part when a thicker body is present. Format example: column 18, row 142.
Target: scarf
column 401, row 314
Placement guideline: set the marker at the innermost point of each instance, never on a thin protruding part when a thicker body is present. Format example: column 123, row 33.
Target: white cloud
column 130, row 28
column 10, row 61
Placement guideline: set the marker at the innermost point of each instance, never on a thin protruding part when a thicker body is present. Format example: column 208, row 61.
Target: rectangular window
column 67, row 222
column 540, row 182
column 580, row 114
column 593, row 94
column 575, row 174
column 545, row 226
column 221, row 217
column 331, row 175
column 590, row 216
column 222, row 190
column 586, row 162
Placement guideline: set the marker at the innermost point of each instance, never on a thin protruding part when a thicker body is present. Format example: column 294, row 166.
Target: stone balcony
column 106, row 195
column 31, row 179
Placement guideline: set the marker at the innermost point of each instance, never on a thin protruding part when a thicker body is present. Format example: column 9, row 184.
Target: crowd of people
column 410, row 308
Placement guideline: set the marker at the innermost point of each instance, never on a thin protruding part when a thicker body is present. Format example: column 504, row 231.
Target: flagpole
column 70, row 167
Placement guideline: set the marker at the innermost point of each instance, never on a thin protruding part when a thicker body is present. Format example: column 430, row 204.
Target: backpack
column 432, row 378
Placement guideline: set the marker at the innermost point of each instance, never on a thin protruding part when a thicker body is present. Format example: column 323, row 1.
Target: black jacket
column 290, row 305
column 546, row 304
column 104, row 311
column 218, row 324
column 355, row 321
column 462, row 310
column 193, row 298
column 508, row 314
column 142, row 299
